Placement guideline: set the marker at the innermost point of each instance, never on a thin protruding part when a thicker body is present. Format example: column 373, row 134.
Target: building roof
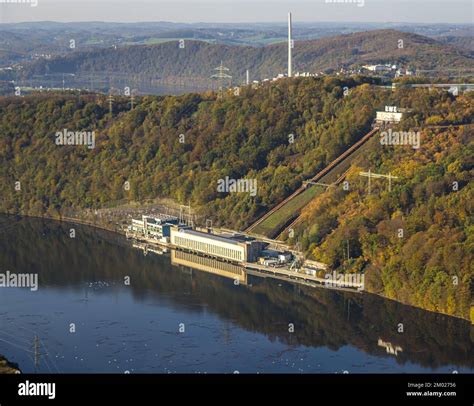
column 210, row 236
column 161, row 218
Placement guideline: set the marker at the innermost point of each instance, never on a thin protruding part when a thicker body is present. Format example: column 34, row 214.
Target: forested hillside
column 179, row 147
column 196, row 61
column 246, row 136
column 415, row 244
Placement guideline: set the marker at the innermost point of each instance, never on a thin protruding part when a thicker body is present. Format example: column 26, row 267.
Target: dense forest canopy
column 414, row 243
column 279, row 134
column 179, row 147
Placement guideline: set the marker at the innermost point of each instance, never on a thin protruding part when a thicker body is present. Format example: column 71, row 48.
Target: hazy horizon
column 238, row 12
column 275, row 22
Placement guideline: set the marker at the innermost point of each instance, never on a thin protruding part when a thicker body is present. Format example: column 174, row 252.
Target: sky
column 237, row 11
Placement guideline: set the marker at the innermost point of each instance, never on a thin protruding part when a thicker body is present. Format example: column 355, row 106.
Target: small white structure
column 390, row 115
column 404, row 72
column 284, row 257
column 379, row 68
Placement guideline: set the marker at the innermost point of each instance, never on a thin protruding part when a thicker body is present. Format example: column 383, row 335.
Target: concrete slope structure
column 272, row 222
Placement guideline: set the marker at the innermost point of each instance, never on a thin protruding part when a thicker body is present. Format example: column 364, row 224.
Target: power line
column 50, row 357
column 370, row 175
column 38, row 345
column 16, row 345
column 16, row 337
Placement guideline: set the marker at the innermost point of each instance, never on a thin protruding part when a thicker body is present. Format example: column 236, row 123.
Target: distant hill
column 196, row 61
column 465, row 43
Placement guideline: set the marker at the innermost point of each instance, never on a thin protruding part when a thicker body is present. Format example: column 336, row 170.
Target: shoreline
column 7, row 367
column 72, row 220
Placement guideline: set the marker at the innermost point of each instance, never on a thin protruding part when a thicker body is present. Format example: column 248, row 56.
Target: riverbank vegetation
column 414, row 243
column 179, row 147
column 278, row 135
column 7, row 367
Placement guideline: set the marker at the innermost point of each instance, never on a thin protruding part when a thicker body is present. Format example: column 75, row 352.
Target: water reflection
column 99, row 263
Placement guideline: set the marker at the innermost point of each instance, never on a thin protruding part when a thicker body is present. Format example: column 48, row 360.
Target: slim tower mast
column 290, row 45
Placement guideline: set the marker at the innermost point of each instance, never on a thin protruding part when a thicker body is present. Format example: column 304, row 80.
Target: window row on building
column 214, row 248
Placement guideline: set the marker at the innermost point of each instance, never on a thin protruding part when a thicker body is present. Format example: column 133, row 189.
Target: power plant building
column 154, row 227
column 227, row 248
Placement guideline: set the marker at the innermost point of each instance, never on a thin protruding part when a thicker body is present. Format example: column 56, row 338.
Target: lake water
column 118, row 82
column 172, row 317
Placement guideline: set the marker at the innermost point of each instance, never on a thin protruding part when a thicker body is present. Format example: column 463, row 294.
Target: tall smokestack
column 290, row 67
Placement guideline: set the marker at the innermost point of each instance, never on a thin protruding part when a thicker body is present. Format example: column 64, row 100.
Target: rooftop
column 161, row 218
column 210, row 236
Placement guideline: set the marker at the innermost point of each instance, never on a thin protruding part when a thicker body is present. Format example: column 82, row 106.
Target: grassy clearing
column 273, row 224
column 277, row 220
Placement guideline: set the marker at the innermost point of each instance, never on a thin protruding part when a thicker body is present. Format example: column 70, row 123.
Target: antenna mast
column 290, row 46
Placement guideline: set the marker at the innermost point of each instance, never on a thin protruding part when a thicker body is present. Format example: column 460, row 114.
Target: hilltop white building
column 390, row 115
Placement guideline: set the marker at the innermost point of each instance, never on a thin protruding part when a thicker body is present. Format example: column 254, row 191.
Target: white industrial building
column 157, row 227
column 273, row 257
column 228, row 248
column 380, row 68
column 390, row 115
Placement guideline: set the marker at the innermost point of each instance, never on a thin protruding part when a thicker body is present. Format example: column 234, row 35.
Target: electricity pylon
column 370, row 175
column 221, row 75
